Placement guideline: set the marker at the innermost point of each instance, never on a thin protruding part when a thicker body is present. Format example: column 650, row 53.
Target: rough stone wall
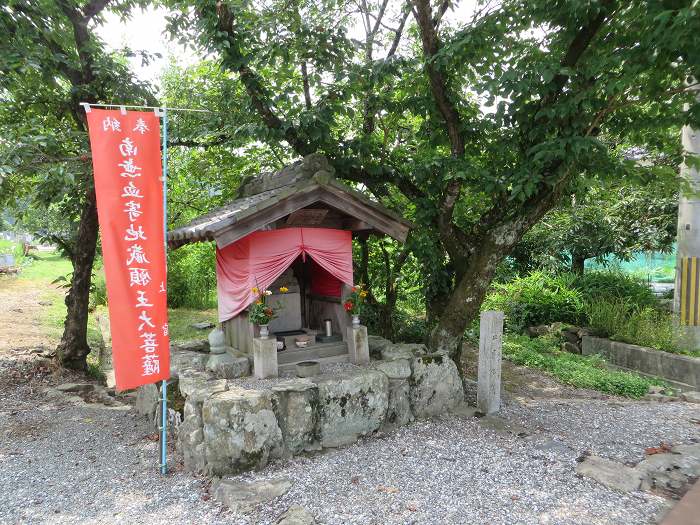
column 227, row 429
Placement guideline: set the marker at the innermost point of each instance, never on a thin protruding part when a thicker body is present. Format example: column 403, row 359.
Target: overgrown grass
column 575, row 370
column 646, row 326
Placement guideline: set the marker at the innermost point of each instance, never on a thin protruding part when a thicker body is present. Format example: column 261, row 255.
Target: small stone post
column 265, row 358
column 488, row 388
column 358, row 344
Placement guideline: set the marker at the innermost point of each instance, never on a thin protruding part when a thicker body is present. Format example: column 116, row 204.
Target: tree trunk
column 463, row 305
column 73, row 349
column 578, row 264
column 386, row 319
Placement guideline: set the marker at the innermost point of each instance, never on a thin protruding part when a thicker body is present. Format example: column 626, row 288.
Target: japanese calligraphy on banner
column 127, row 165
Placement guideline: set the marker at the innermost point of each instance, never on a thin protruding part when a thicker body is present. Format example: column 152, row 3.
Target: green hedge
column 192, row 276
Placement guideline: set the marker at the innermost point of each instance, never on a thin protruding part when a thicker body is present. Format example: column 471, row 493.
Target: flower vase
column 264, row 332
column 355, row 320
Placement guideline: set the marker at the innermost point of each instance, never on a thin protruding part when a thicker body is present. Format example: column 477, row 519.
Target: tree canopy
column 473, row 123
column 474, row 127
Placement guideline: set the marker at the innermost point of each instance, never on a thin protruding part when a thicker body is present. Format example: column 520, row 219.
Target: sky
column 145, row 31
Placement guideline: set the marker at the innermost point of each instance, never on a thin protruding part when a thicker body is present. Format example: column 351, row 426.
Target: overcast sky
column 144, row 32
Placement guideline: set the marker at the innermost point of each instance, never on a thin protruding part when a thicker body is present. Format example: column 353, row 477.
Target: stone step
column 312, row 353
column 291, row 367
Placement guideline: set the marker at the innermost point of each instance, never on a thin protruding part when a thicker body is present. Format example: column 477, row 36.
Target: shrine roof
column 267, row 199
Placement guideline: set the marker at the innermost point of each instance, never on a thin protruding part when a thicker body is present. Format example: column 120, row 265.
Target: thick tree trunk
column 463, row 305
column 386, row 320
column 73, row 349
column 578, row 263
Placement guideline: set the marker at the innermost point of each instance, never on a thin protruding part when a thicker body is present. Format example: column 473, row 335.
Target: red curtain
column 323, row 282
column 261, row 257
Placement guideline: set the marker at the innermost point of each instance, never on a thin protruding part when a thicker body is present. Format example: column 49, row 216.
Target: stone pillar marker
column 265, row 358
column 358, row 345
column 488, row 387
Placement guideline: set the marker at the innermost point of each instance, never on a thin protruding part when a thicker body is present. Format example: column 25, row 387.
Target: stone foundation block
column 240, row 431
column 295, row 404
column 403, row 351
column 351, row 404
column 435, row 386
column 182, row 360
column 226, row 366
column 190, row 437
column 396, row 369
column 399, row 408
column 376, row 345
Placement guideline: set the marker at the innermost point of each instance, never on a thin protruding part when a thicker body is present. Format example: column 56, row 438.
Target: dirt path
column 20, row 315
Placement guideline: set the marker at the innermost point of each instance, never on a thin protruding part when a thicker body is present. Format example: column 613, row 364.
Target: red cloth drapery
column 261, row 257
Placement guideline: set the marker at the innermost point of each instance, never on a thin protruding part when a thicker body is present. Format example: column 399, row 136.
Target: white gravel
column 62, row 462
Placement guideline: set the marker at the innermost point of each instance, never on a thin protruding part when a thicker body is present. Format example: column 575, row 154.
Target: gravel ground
column 70, row 462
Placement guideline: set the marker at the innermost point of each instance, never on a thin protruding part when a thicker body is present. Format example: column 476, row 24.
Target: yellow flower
column 258, row 302
column 363, row 294
column 284, row 289
column 255, row 289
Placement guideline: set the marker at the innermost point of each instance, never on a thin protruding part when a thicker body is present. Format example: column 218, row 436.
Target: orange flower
column 258, row 301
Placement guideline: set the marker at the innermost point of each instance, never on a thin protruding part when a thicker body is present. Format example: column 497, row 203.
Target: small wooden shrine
column 292, row 229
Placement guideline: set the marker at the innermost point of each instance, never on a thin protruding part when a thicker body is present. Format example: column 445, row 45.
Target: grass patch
column 45, row 267
column 181, row 319
column 575, row 370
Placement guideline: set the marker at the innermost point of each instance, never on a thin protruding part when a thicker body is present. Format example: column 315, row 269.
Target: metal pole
column 164, row 388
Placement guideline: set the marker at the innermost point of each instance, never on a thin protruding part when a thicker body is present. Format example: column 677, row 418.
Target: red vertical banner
column 126, row 159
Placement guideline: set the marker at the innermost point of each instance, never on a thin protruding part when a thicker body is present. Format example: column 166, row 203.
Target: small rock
column 244, row 496
column 226, row 366
column 612, row 474
column 202, row 325
column 656, row 389
column 296, row 515
column 45, row 303
column 83, row 388
column 572, row 348
column 691, row 397
column 195, row 345
column 660, row 398
column 537, row 331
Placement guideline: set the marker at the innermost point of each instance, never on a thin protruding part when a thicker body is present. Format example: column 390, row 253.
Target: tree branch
column 252, row 84
column 398, row 33
column 305, row 80
column 94, row 8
